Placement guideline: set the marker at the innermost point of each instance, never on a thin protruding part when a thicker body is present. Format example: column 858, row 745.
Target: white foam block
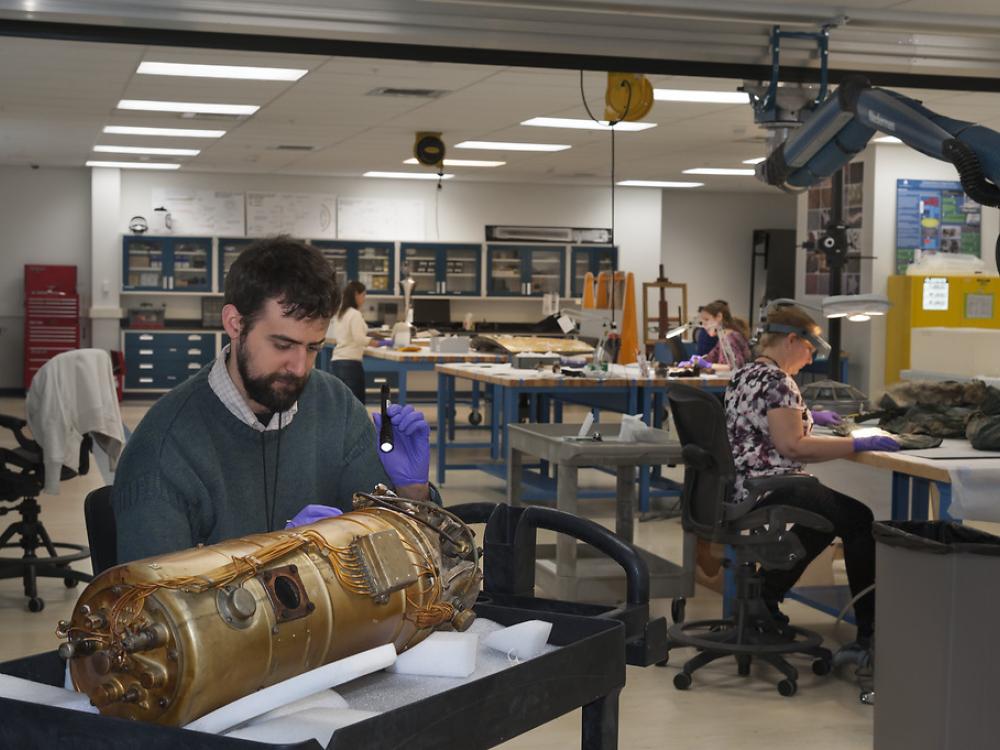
column 49, row 695
column 296, row 688
column 441, row 654
column 328, row 700
column 524, row 640
column 314, row 723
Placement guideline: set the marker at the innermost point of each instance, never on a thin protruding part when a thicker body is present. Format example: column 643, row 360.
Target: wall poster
column 818, row 217
column 934, row 216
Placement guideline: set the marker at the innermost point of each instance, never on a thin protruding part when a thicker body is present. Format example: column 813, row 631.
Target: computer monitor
column 429, row 312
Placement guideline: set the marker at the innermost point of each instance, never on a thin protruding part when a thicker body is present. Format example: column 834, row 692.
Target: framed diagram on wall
column 818, row 217
column 935, row 216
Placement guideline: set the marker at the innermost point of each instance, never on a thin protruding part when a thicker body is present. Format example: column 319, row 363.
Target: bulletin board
column 301, row 215
column 935, row 215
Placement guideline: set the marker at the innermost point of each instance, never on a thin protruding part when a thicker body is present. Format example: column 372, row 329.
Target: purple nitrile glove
column 825, row 418
column 699, row 361
column 409, row 461
column 383, row 342
column 312, row 514
column 875, row 443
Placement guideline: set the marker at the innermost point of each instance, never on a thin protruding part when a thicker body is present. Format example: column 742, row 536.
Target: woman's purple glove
column 409, row 461
column 875, row 443
column 825, row 418
column 696, row 361
column 383, row 342
column 312, row 514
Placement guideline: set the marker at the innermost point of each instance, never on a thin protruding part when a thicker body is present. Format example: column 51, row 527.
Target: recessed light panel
column 201, row 108
column 165, row 132
column 132, row 165
column 512, row 146
column 576, row 124
column 248, row 72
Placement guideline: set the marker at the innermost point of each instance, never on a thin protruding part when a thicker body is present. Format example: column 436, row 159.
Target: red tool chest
column 51, row 315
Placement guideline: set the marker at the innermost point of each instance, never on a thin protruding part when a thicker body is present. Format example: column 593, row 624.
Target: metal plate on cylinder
column 237, row 606
column 386, row 565
column 287, row 594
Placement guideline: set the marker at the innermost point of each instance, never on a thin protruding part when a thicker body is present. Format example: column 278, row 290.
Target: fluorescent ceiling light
column 569, row 122
column 132, row 165
column 202, row 108
column 718, row 171
column 408, row 175
column 887, row 139
column 510, row 146
column 659, row 183
column 146, row 150
column 706, row 97
column 758, row 160
column 171, row 132
column 464, row 163
column 220, row 71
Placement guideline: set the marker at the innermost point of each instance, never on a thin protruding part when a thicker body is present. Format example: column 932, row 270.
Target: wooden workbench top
column 426, row 355
column 505, row 374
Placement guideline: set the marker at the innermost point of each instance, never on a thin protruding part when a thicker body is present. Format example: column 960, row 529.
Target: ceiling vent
column 205, row 117
column 292, row 147
column 419, row 93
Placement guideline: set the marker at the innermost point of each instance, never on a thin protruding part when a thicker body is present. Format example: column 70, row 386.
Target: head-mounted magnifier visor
column 819, row 343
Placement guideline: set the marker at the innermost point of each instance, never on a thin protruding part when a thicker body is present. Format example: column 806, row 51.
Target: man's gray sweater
column 193, row 473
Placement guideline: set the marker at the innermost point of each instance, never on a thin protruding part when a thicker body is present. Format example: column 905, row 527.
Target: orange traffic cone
column 630, row 328
column 588, row 291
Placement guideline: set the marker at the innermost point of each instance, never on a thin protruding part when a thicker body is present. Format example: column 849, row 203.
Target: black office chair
column 22, row 478
column 102, row 532
column 756, row 539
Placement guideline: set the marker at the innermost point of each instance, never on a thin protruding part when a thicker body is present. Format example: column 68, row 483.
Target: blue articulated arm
column 841, row 127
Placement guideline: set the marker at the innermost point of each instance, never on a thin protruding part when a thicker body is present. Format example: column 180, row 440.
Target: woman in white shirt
column 350, row 331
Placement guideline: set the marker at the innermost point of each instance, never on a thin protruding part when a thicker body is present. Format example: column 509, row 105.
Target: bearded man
column 253, row 438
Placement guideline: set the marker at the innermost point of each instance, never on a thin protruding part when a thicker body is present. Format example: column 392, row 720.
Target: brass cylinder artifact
column 169, row 639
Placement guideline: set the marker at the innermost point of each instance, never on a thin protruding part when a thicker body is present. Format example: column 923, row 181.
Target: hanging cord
column 274, row 491
column 611, row 126
column 269, row 509
column 263, row 462
column 437, row 202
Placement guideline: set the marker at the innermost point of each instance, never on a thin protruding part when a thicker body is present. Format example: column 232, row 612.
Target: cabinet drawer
column 152, row 347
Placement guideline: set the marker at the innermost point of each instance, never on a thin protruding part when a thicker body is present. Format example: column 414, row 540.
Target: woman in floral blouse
column 770, row 431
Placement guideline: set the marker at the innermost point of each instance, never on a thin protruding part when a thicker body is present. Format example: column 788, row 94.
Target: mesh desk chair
column 22, row 478
column 755, row 539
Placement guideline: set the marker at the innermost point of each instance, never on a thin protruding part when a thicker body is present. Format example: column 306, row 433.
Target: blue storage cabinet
column 229, row 250
column 592, row 259
column 371, row 263
column 167, row 264
column 158, row 360
column 452, row 269
column 525, row 270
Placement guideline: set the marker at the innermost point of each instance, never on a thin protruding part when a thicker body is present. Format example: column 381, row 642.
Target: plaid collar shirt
column 223, row 387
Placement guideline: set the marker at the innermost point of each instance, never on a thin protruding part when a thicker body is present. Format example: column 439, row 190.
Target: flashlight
column 385, row 433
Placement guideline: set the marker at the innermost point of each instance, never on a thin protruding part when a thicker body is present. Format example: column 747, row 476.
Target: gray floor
column 721, row 710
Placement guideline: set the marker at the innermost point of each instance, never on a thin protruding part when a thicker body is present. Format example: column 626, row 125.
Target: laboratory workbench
column 575, row 572
column 623, row 391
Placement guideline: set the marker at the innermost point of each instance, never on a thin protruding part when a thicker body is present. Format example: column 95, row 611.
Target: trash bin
column 937, row 640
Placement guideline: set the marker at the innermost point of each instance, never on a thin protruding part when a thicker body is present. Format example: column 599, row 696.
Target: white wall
column 44, row 218
column 706, row 241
